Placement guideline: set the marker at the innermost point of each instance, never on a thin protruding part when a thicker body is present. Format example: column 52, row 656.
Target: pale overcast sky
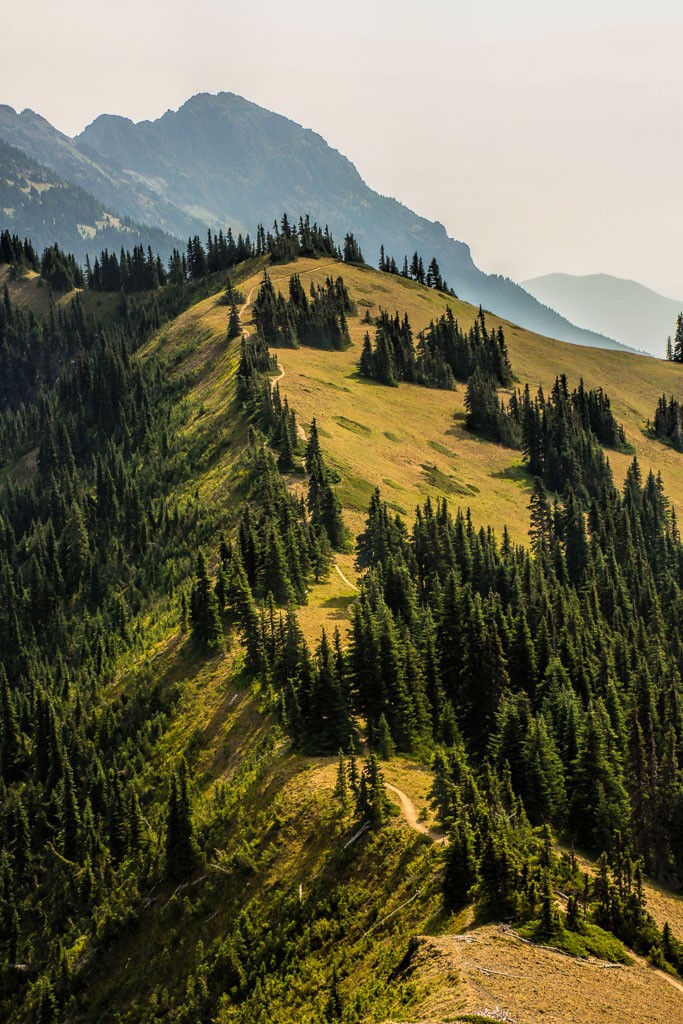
column 545, row 133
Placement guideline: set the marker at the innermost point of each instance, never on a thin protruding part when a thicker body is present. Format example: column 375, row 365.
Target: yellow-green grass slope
column 410, row 441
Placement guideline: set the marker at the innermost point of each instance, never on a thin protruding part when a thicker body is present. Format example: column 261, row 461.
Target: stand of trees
column 562, row 436
column 415, row 271
column 668, row 421
column 59, row 269
column 444, row 352
column 320, row 321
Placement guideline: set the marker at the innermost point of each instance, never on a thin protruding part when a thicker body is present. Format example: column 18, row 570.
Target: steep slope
column 224, row 159
column 500, row 978
column 610, row 305
column 36, row 203
column 411, row 442
column 296, row 914
column 103, row 179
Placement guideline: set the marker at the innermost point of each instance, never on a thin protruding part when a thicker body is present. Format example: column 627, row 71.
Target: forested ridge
column 541, row 682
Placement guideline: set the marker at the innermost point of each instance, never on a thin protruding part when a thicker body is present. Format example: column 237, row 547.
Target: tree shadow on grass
column 517, row 474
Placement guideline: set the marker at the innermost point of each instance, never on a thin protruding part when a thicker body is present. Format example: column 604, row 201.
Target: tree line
column 415, row 271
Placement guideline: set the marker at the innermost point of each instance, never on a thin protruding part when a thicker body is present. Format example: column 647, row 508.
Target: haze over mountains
column 610, row 305
column 104, row 179
column 222, row 161
column 37, row 203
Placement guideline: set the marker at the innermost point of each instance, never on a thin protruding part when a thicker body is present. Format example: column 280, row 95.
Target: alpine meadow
column 341, row 601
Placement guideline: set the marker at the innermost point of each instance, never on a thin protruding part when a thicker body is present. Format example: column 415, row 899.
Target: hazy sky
column 545, row 133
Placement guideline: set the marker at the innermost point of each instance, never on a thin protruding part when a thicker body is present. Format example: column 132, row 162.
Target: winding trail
column 346, row 581
column 276, row 380
column 409, row 812
column 666, row 977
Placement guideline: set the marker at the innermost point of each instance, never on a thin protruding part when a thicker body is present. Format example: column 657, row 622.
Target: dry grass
column 663, row 904
column 493, row 973
column 406, row 441
column 416, row 781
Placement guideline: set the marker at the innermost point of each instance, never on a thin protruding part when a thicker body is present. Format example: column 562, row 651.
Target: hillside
column 36, row 203
column 622, row 309
column 212, row 865
column 407, row 442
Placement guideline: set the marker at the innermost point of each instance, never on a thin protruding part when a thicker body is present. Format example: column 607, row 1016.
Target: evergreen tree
column 234, row 325
column 182, row 854
column 204, row 613
column 677, row 354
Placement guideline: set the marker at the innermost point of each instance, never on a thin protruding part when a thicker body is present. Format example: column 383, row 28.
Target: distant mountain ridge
column 220, row 160
column 226, row 159
column 103, row 179
column 37, row 203
column 625, row 309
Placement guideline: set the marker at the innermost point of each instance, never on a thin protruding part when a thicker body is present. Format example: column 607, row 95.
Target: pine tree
column 204, row 613
column 540, row 521
column 234, row 325
column 461, row 865
column 182, row 854
column 385, row 743
column 352, row 251
column 677, row 354
column 10, row 736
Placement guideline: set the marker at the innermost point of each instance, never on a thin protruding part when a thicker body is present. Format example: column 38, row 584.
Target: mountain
column 217, row 808
column 36, row 203
column 223, row 159
column 623, row 309
column 104, row 179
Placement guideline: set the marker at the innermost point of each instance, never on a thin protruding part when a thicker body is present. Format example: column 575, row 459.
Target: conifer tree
column 234, row 325
column 204, row 613
column 461, row 865
column 677, row 354
column 182, row 854
column 540, row 520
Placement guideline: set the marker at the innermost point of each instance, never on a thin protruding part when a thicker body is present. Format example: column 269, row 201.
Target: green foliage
column 590, row 940
column 320, row 321
column 351, row 250
column 204, row 611
column 486, row 415
column 668, row 421
column 443, row 353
